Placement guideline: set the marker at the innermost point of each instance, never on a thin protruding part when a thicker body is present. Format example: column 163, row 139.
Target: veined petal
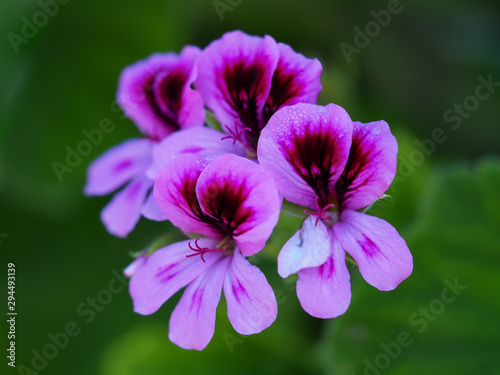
column 118, row 165
column 204, row 142
column 305, row 148
column 155, row 93
column 325, row 291
column 175, row 193
column 383, row 257
column 371, row 166
column 165, row 272
column 151, row 210
column 242, row 197
column 234, row 79
column 296, row 79
column 251, row 304
column 309, row 247
column 192, row 323
column 124, row 211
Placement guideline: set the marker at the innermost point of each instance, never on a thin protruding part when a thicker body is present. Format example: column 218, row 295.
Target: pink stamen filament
column 201, row 250
column 320, row 211
column 237, row 134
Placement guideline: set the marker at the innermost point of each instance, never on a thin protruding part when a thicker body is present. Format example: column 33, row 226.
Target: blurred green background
column 445, row 201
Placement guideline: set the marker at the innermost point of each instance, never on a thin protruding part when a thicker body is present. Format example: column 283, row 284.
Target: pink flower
column 245, row 79
column 155, row 94
column 234, row 203
column 321, row 160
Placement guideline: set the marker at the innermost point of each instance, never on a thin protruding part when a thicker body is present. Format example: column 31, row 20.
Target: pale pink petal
column 309, row 247
column 118, row 165
column 325, row 291
column 192, row 323
column 203, row 142
column 371, row 166
column 242, row 197
column 175, row 193
column 305, row 148
column 296, row 79
column 251, row 304
column 234, row 79
column 136, row 263
column 166, row 271
column 123, row 212
column 151, row 210
column 383, row 257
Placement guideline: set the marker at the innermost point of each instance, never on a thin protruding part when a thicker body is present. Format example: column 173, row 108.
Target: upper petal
column 242, row 197
column 203, row 142
column 123, row 212
column 234, row 79
column 155, row 93
column 251, row 304
column 309, row 247
column 371, row 166
column 165, row 272
column 305, row 148
column 325, row 291
column 296, row 79
column 175, row 193
column 118, row 165
column 192, row 323
column 382, row 255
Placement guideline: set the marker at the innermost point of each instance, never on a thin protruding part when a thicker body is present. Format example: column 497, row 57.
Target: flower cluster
column 224, row 188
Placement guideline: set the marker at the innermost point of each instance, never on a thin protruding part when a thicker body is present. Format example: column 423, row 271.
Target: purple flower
column 155, row 94
column 245, row 79
column 321, row 160
column 234, row 203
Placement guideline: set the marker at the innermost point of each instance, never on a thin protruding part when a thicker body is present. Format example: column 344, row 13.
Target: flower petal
column 124, row 211
column 242, row 197
column 165, row 272
column 192, row 323
column 325, row 291
column 203, row 142
column 151, row 210
column 309, row 247
column 251, row 304
column 175, row 193
column 234, row 79
column 118, row 165
column 296, row 79
column 305, row 148
column 155, row 93
column 383, row 257
column 371, row 166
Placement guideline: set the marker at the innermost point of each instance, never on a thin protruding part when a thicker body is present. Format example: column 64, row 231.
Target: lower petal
column 383, row 257
column 192, row 323
column 325, row 291
column 165, row 272
column 151, row 210
column 309, row 247
column 251, row 304
column 124, row 211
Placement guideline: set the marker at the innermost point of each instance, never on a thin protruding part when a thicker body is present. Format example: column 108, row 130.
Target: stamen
column 201, row 250
column 237, row 134
column 321, row 211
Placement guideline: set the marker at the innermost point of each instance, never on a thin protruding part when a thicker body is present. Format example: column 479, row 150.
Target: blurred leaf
column 455, row 240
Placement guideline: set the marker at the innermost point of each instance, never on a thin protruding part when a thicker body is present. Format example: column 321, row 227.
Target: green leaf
column 426, row 325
